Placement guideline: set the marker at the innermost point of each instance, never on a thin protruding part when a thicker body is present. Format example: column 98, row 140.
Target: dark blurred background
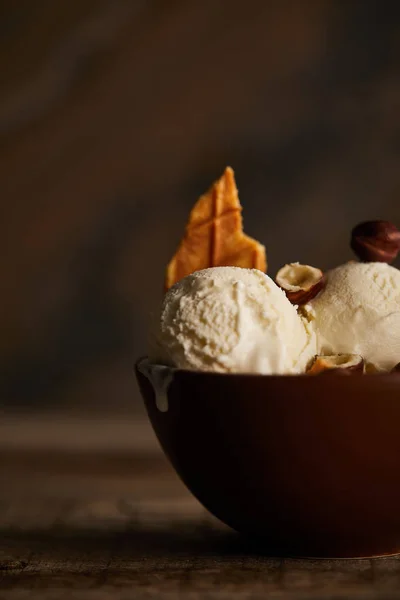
column 115, row 115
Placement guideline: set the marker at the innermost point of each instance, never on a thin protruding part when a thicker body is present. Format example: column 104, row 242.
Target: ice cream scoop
column 358, row 312
column 230, row 319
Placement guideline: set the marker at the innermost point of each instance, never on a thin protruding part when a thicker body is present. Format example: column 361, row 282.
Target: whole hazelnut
column 376, row 241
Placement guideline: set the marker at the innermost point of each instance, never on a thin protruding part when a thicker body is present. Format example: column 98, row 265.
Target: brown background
column 115, row 115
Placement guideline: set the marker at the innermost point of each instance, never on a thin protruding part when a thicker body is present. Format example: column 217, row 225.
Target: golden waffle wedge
column 214, row 235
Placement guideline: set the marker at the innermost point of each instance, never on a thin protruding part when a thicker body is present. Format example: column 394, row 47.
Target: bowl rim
column 386, row 375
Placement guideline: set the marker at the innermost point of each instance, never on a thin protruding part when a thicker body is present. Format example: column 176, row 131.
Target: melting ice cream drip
column 160, row 378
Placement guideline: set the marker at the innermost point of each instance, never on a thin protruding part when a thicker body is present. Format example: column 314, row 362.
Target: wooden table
column 91, row 509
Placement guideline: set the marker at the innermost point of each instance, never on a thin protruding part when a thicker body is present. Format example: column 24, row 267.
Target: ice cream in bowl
column 277, row 400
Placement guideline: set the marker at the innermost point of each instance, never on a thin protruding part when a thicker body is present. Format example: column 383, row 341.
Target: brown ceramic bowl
column 311, row 465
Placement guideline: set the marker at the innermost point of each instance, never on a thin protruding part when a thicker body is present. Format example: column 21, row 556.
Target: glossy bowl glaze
column 311, row 465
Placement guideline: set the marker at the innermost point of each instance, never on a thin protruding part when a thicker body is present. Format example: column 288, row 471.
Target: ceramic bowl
column 309, row 465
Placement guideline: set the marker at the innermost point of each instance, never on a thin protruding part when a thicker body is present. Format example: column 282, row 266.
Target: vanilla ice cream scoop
column 358, row 312
column 229, row 319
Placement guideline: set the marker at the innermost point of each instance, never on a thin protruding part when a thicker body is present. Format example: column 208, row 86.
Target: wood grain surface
column 88, row 523
column 115, row 115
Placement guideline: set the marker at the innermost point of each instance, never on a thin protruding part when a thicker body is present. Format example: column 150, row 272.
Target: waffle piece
column 214, row 235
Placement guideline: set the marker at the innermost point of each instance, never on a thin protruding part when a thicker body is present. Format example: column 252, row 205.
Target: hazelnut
column 376, row 241
column 371, row 369
column 339, row 364
column 301, row 283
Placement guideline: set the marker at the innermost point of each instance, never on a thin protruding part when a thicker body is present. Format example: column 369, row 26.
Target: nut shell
column 376, row 241
column 338, row 364
column 301, row 283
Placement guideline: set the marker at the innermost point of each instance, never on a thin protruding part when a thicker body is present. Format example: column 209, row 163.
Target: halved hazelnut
column 371, row 369
column 301, row 283
column 376, row 241
column 340, row 364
